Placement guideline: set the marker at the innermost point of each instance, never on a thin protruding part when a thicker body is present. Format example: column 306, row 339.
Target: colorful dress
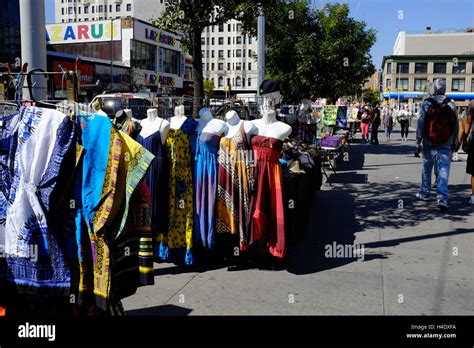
column 268, row 216
column 205, row 169
column 35, row 254
column 235, row 186
column 157, row 180
column 180, row 149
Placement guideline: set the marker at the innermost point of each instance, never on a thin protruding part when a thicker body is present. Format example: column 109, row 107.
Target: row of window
column 457, row 85
column 94, row 9
column 236, row 40
column 237, row 82
column 230, row 53
column 86, row 19
column 220, row 28
column 422, row 68
column 220, row 66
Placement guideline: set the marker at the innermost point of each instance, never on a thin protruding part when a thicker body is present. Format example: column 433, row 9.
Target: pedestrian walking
column 387, row 121
column 468, row 146
column 364, row 125
column 403, row 118
column 436, row 137
column 376, row 120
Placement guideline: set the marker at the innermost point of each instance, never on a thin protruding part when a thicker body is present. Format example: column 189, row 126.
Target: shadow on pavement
column 165, row 310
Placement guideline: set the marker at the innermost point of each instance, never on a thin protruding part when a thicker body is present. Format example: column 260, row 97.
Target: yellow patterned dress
column 180, row 144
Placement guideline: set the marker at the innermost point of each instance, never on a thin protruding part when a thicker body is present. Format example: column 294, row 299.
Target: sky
column 383, row 16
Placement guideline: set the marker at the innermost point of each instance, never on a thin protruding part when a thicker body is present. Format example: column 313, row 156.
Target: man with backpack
column 436, row 138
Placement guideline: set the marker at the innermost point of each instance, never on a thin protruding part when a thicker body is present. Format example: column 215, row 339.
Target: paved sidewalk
column 417, row 261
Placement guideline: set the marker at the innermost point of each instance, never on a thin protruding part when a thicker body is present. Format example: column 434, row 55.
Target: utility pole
column 33, row 43
column 111, row 53
column 261, row 49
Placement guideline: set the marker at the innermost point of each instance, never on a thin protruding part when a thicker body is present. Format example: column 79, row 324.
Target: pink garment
column 364, row 127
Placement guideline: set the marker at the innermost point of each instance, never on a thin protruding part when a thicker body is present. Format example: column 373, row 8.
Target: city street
column 418, row 260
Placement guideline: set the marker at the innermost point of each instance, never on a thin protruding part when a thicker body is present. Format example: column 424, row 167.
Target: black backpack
column 440, row 121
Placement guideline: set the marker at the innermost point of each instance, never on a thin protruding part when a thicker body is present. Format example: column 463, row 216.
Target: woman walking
column 364, row 126
column 388, row 122
column 404, row 119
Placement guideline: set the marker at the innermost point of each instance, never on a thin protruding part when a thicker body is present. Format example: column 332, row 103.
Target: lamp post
column 261, row 49
column 111, row 53
column 398, row 89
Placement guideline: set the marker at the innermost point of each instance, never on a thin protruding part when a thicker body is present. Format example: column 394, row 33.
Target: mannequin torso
column 179, row 118
column 234, row 123
column 153, row 124
column 208, row 124
column 268, row 126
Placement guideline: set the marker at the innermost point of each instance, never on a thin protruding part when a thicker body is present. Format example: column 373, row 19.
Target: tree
column 370, row 96
column 209, row 87
column 323, row 53
column 191, row 17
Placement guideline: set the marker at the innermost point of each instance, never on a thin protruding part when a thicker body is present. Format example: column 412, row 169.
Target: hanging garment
column 35, row 252
column 157, row 180
column 205, row 169
column 268, row 216
column 235, row 186
column 127, row 165
column 89, row 180
column 180, row 150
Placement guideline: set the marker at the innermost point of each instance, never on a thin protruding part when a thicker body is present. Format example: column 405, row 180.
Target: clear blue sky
column 382, row 15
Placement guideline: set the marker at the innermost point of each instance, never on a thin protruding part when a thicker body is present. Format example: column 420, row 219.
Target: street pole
column 33, row 43
column 261, row 49
column 399, row 78
column 111, row 53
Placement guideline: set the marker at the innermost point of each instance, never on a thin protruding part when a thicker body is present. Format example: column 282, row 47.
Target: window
column 129, row 7
column 459, row 85
column 93, row 9
column 221, row 41
column 238, row 81
column 221, row 28
column 439, row 68
column 220, row 66
column 420, row 84
column 143, row 55
column 203, row 41
column 101, row 8
column 228, row 82
column 402, row 84
column 62, row 11
column 388, row 84
column 220, row 53
column 421, row 68
column 207, row 53
column 212, row 28
column 229, row 28
column 250, row 82
column 389, row 68
column 403, row 68
column 86, row 19
column 238, row 40
column 213, row 41
column 238, row 66
column 86, row 9
column 117, row 8
column 69, row 10
column 220, row 82
column 250, row 53
column 101, row 18
column 459, row 68
column 228, row 40
column 228, row 66
column 239, row 27
column 207, row 41
column 250, row 66
column 228, row 53
column 207, row 66
column 110, row 8
column 212, row 67
column 238, row 53
column 212, row 54
column 243, row 82
column 243, row 51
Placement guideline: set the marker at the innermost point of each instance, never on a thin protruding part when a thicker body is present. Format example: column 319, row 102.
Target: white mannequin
column 268, row 126
column 153, row 124
column 208, row 124
column 234, row 123
column 179, row 117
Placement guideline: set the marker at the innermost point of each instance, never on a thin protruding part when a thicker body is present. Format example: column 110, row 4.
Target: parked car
column 139, row 103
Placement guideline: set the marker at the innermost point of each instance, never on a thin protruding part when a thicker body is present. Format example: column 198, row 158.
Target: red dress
column 268, row 218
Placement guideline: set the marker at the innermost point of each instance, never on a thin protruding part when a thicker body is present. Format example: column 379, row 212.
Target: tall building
column 10, row 44
column 229, row 59
column 419, row 59
column 95, row 10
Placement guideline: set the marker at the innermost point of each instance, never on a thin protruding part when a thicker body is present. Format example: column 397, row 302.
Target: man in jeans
column 440, row 155
column 376, row 120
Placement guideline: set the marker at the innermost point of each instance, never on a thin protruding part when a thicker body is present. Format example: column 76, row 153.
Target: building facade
column 229, row 59
column 10, row 43
column 419, row 59
column 67, row 11
column 153, row 57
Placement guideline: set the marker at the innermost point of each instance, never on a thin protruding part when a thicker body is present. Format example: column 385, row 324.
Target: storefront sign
column 87, row 73
column 84, row 32
column 149, row 34
column 160, row 80
column 160, row 37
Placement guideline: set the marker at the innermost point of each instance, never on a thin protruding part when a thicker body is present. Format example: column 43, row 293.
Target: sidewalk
column 418, row 260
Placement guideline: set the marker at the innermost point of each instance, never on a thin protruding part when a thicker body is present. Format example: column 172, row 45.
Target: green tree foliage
column 209, row 87
column 323, row 53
